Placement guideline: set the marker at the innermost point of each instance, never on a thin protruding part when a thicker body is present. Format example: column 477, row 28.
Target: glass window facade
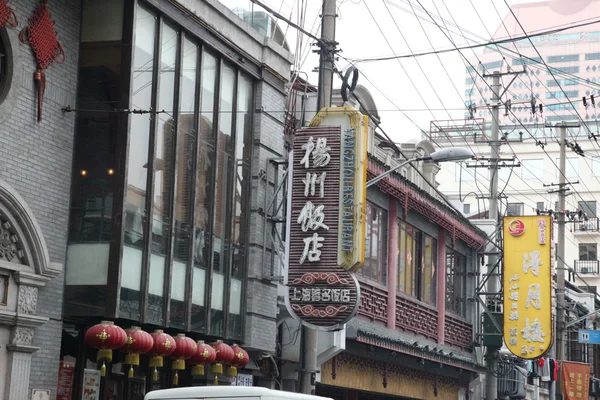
column 592, row 56
column 185, row 182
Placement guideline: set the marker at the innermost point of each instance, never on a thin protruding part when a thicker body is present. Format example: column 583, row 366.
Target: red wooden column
column 441, row 282
column 392, row 262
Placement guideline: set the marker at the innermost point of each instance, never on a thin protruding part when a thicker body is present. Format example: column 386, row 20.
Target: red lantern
column 205, row 354
column 138, row 342
column 224, row 357
column 185, row 348
column 240, row 360
column 105, row 337
column 164, row 345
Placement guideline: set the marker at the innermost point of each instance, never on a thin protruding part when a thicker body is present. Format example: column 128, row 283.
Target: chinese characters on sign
column 320, row 292
column 575, row 380
column 527, row 286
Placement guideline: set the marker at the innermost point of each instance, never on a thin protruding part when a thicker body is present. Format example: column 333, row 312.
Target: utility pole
column 491, row 382
column 560, row 251
column 493, row 287
column 309, row 342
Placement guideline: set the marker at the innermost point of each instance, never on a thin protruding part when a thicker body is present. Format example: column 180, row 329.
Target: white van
column 227, row 393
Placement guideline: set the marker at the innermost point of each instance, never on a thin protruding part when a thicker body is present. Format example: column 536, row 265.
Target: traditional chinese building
column 414, row 335
column 140, row 173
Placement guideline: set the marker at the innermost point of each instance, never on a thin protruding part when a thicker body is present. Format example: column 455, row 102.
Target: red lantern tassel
column 155, row 375
column 130, row 373
column 40, row 82
column 103, row 369
column 176, row 378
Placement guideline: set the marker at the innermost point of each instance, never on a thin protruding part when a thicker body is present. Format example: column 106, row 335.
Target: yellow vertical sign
column 527, row 285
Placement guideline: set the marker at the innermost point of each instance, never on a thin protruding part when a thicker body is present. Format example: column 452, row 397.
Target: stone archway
column 24, row 268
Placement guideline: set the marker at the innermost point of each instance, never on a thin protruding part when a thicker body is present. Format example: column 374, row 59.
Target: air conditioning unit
column 586, row 270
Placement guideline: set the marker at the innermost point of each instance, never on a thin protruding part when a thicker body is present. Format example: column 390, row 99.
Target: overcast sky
column 439, row 82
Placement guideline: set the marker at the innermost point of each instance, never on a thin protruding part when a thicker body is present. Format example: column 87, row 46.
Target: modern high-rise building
column 558, row 70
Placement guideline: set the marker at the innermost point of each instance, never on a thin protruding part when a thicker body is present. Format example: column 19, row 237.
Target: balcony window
column 417, row 264
column 456, row 280
column 375, row 267
column 515, row 209
column 588, row 251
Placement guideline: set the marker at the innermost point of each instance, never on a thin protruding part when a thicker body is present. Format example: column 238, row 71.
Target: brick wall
column 261, row 305
column 35, row 158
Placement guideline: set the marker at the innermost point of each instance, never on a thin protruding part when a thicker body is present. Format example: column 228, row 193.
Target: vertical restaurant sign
column 527, row 285
column 65, row 380
column 353, row 178
column 575, row 379
column 320, row 293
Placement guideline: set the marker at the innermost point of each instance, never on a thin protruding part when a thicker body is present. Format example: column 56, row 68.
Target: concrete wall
column 36, row 161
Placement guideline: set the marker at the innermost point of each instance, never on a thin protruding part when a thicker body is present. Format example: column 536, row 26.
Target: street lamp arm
column 443, row 155
column 391, row 170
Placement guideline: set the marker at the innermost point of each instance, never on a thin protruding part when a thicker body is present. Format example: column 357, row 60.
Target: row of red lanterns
column 106, row 337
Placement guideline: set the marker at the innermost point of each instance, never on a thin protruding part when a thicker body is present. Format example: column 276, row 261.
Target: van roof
column 216, row 391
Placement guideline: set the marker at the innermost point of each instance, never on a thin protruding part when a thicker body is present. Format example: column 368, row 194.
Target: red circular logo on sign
column 516, row 227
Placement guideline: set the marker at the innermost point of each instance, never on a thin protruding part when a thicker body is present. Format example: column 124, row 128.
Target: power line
column 474, row 46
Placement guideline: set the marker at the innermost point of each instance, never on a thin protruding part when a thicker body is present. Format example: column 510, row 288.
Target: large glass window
column 456, row 279
column 185, row 181
column 96, row 174
column 204, row 185
column 139, row 141
column 375, row 266
column 184, row 152
column 222, row 203
column 243, row 126
column 163, row 174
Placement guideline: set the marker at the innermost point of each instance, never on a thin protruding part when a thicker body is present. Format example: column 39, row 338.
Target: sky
column 374, row 28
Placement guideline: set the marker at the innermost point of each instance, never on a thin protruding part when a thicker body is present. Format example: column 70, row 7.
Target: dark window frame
column 455, row 302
